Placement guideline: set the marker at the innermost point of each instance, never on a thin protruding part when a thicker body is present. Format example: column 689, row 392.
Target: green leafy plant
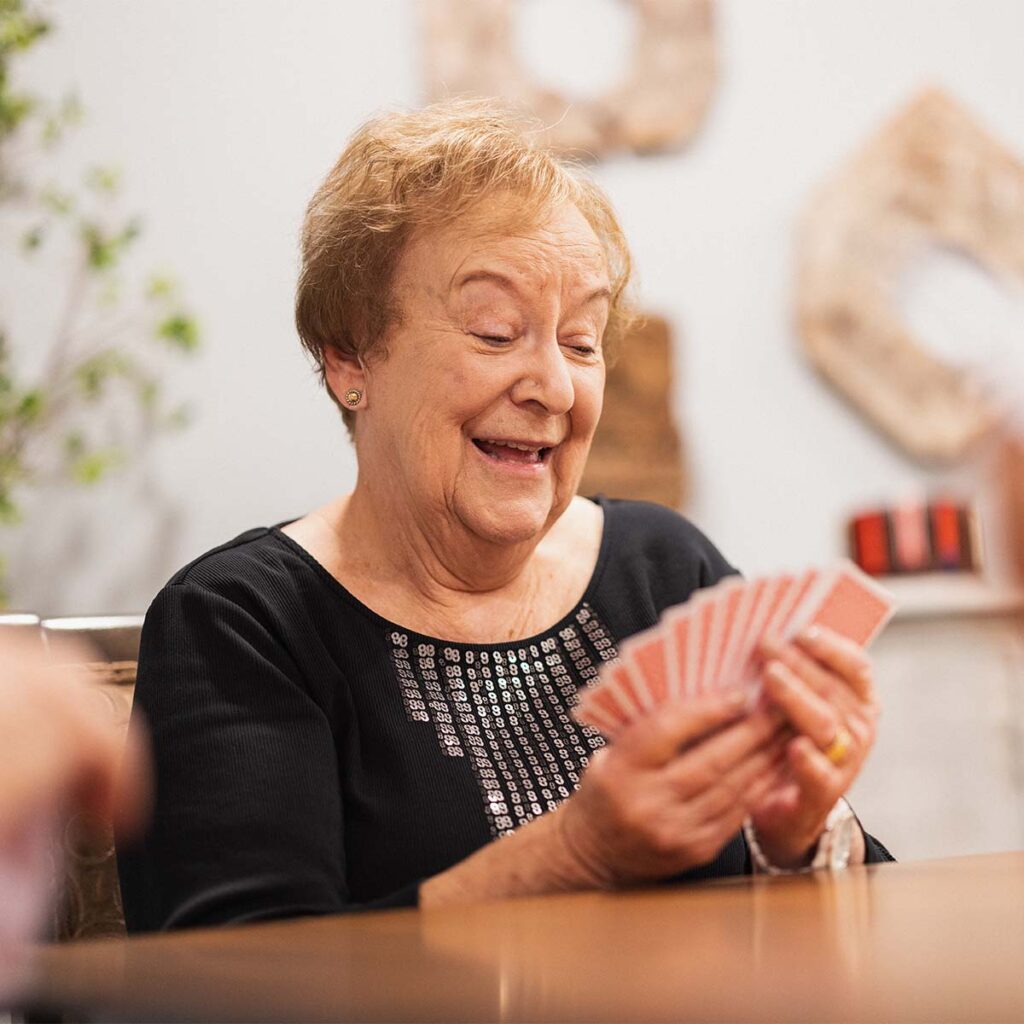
column 98, row 395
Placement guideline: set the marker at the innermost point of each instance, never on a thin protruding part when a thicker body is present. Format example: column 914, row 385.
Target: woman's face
column 483, row 410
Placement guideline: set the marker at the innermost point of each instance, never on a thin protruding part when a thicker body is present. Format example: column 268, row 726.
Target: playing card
column 775, row 628
column 629, row 690
column 701, row 619
column 593, row 710
column 711, row 641
column 777, row 624
column 744, row 667
column 599, row 706
column 645, row 655
column 847, row 601
column 733, row 643
column 725, row 600
column 676, row 624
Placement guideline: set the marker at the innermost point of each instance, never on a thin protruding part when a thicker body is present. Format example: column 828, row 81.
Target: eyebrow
column 496, row 277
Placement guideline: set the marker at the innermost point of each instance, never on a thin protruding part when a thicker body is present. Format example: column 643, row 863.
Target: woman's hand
column 822, row 684
column 672, row 790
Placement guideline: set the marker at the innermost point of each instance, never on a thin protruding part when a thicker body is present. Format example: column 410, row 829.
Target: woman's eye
column 583, row 349
column 494, row 339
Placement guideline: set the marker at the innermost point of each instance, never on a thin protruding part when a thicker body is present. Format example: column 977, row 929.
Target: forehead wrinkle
column 537, row 252
column 522, row 279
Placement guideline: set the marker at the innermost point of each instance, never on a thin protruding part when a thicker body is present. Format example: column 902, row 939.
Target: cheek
column 588, row 403
column 420, row 387
column 474, row 384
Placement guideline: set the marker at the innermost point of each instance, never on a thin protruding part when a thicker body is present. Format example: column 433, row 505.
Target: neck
column 434, row 555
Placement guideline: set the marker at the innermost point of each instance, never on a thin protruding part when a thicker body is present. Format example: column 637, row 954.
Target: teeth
column 512, row 444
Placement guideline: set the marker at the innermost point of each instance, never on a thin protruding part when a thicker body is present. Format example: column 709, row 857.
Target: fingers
column 816, row 775
column 810, row 714
column 812, row 673
column 84, row 751
column 56, row 746
column 708, row 763
column 768, row 782
column 658, row 737
column 842, row 656
column 724, row 823
column 820, row 694
column 133, row 795
column 736, row 788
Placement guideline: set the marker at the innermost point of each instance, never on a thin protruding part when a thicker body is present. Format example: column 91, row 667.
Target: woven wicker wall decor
column 469, row 48
column 637, row 452
column 931, row 177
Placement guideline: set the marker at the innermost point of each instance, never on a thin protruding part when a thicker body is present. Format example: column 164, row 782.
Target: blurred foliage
column 98, row 396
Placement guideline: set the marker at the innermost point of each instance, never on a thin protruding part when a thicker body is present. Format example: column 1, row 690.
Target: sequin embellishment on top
column 507, row 710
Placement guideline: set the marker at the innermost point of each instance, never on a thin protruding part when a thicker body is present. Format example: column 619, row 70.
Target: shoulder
column 645, row 529
column 258, row 569
column 250, row 601
column 232, row 635
column 254, row 553
column 665, row 552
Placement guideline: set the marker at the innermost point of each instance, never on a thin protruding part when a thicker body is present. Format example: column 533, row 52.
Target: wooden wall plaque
column 931, row 177
column 469, row 49
column 1011, row 481
column 637, row 452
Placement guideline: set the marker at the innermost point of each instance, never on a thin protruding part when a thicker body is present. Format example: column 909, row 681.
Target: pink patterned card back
column 646, row 656
column 700, row 634
column 848, row 602
column 727, row 600
column 745, row 610
column 677, row 650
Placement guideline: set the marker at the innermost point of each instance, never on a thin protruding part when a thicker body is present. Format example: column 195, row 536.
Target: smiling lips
column 517, row 452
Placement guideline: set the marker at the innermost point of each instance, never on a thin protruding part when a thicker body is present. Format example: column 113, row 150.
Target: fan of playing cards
column 711, row 642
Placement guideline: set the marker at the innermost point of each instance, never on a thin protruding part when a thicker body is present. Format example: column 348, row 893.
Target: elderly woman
column 370, row 705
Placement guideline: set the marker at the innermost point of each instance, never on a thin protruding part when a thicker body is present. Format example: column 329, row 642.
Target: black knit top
column 312, row 757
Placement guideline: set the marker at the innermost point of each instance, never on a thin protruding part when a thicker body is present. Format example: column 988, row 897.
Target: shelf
column 938, row 595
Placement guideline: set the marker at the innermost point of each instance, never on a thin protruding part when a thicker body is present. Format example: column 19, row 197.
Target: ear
column 342, row 373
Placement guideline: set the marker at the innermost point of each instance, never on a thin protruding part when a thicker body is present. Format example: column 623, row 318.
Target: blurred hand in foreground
column 60, row 754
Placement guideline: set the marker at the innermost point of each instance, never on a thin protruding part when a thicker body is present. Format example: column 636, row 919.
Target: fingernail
column 811, row 634
column 776, row 670
column 736, row 700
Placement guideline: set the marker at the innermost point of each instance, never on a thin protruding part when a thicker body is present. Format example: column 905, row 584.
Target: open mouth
column 521, row 453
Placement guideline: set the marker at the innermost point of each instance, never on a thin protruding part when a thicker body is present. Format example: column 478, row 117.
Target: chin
column 507, row 522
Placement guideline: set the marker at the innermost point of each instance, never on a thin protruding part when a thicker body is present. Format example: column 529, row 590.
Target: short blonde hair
column 404, row 171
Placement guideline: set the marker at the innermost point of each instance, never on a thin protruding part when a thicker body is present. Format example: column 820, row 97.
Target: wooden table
column 927, row 941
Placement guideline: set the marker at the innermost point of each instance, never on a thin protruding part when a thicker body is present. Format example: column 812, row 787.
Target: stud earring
column 353, row 397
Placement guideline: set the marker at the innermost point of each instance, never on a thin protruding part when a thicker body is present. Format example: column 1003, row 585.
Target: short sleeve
column 661, row 559
column 247, row 822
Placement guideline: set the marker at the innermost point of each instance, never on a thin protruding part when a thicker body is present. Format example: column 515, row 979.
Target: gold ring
column 837, row 750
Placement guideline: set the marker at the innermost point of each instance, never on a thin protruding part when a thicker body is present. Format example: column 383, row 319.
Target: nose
column 545, row 378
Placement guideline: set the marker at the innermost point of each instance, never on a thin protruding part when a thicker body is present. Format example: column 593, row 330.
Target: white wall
column 224, row 115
